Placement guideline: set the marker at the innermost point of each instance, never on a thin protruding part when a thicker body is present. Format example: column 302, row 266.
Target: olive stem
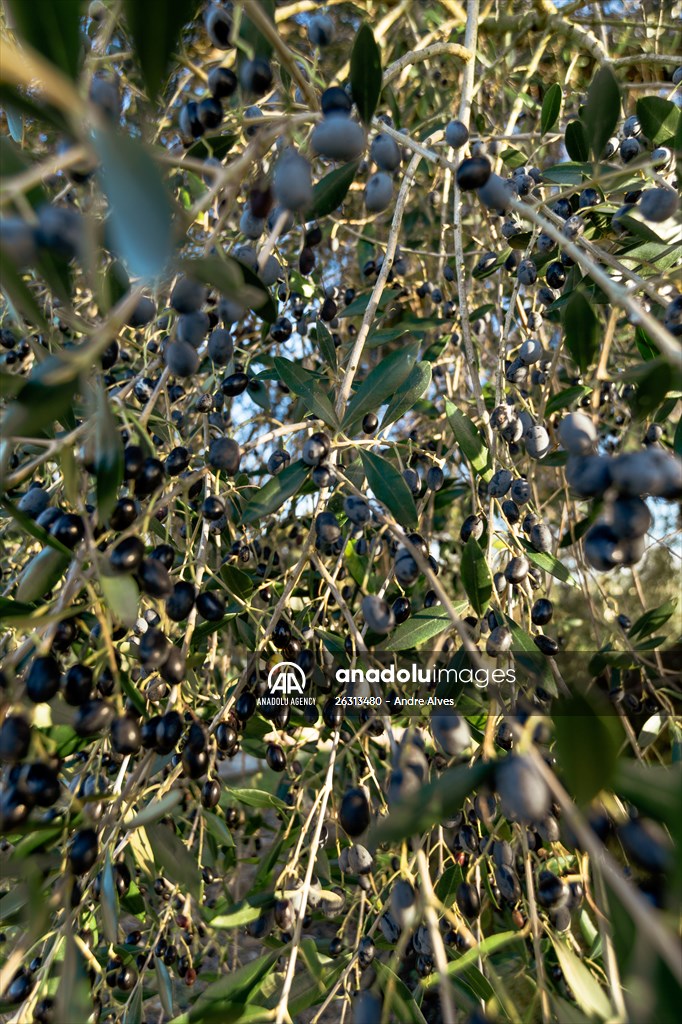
column 605, row 930
column 258, row 17
column 619, row 295
column 434, row 50
column 282, row 1006
column 438, row 948
column 535, row 927
column 343, row 605
column 470, row 41
column 643, row 914
column 370, row 313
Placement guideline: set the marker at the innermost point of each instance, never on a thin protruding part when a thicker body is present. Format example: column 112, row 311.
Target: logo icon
column 287, row 678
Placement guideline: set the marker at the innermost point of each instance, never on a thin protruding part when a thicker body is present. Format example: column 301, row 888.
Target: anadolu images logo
column 286, row 685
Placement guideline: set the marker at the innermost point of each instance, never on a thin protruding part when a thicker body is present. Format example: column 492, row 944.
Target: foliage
column 349, row 417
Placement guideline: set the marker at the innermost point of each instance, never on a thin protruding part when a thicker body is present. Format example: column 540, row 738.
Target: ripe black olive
column 210, row 793
column 83, row 851
column 126, row 736
column 168, row 731
column 552, row 892
column 127, row 555
column 354, row 812
column 275, row 757
column 180, row 603
column 468, row 900
column 42, row 681
column 154, row 579
column 15, row 738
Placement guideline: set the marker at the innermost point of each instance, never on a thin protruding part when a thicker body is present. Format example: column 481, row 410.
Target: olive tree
column 340, row 446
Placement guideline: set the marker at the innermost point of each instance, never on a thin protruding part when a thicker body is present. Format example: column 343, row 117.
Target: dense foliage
column 346, row 337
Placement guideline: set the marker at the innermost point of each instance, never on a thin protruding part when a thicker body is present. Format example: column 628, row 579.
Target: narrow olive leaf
column 42, row 573
column 564, row 1010
column 577, row 148
column 483, row 950
column 217, row 146
column 155, row 810
column 420, row 627
column 108, row 456
column 218, row 829
column 331, row 190
column 171, row 854
column 239, row 915
column 122, row 596
column 574, row 533
column 52, row 29
column 314, row 964
column 602, row 110
column 469, row 440
column 654, row 790
column 476, row 576
column 140, row 209
column 15, row 123
column 653, row 384
column 72, row 1000
column 545, row 560
column 255, row 797
column 35, row 108
column 326, row 343
column 133, row 694
column 109, row 902
column 207, row 628
column 551, row 106
column 309, row 388
column 659, row 119
column 390, row 488
column 238, row 582
column 402, row 1006
column 233, row 279
column 652, row 620
column 15, row 609
column 275, row 492
column 380, row 384
column 528, row 658
column 225, row 999
column 19, row 294
column 305, row 992
column 133, row 1010
column 71, row 475
column 581, row 329
column 588, row 993
column 155, row 47
column 567, row 397
column 438, row 800
column 13, row 901
column 570, row 172
column 46, row 396
column 164, row 985
column 409, row 393
column 365, row 73
column 588, row 743
column 647, row 349
column 56, row 272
